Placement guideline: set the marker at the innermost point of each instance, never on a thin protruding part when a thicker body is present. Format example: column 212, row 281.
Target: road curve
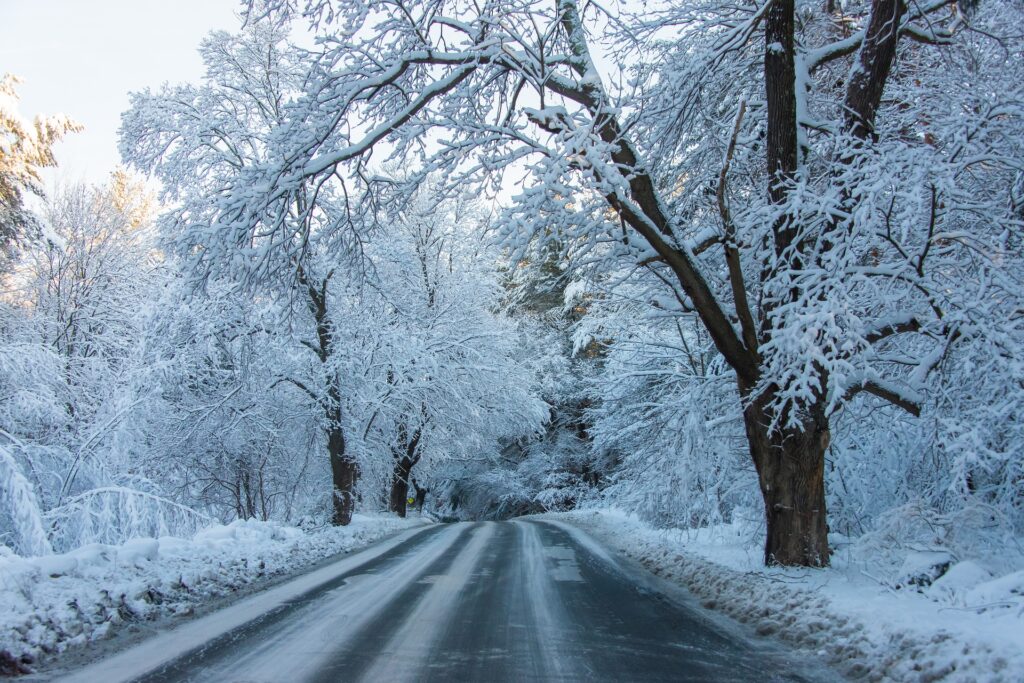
column 487, row 601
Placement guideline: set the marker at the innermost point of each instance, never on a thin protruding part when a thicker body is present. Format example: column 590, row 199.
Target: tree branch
column 298, row 384
column 732, row 254
column 886, row 393
column 642, row 209
column 909, row 324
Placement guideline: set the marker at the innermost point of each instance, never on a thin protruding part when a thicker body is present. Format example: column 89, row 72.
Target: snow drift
column 54, row 602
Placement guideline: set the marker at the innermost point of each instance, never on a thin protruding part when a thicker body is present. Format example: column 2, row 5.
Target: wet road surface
column 489, row 601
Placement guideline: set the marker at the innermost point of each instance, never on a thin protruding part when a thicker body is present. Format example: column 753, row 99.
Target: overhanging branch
column 885, row 393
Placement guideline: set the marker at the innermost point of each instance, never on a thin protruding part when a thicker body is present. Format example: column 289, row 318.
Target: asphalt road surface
column 488, row 601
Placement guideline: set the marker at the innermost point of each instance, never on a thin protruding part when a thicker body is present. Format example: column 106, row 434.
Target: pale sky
column 83, row 57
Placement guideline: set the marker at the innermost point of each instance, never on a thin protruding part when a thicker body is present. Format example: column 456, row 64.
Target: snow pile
column 932, row 619
column 50, row 603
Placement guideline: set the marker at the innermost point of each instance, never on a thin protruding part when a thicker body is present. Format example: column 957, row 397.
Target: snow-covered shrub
column 116, row 514
column 21, row 505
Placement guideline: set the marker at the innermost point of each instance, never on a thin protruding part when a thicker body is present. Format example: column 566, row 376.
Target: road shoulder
column 212, row 593
column 859, row 629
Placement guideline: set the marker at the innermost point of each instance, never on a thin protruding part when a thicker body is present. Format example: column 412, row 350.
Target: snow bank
column 51, row 603
column 961, row 625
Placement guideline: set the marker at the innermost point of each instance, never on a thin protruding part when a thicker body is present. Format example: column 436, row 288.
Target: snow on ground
column 51, row 603
column 966, row 625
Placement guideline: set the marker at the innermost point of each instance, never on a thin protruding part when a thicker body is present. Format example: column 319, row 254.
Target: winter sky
column 83, row 57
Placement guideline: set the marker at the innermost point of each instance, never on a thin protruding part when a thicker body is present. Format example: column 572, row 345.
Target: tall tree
column 204, row 141
column 449, row 382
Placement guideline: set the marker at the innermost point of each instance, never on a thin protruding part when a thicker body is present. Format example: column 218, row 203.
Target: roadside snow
column 961, row 625
column 51, row 603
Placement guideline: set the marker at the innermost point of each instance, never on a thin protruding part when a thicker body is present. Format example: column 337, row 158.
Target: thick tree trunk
column 790, row 464
column 345, row 474
column 400, row 486
column 790, row 461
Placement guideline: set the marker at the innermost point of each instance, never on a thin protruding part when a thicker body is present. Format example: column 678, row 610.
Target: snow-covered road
column 506, row 601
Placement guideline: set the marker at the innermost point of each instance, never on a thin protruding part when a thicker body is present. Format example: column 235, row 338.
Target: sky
column 83, row 57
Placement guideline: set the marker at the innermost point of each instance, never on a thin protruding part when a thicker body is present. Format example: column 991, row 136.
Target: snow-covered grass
column 54, row 602
column 871, row 622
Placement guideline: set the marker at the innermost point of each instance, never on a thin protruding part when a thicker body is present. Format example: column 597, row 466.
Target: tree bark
column 344, row 468
column 344, row 475
column 874, row 62
column 780, row 91
column 790, row 464
column 790, row 459
column 406, row 454
column 400, row 486
column 421, row 496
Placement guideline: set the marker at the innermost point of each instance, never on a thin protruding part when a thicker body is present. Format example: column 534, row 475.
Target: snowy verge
column 967, row 628
column 54, row 602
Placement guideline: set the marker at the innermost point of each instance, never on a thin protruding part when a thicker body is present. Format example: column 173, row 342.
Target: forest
column 707, row 262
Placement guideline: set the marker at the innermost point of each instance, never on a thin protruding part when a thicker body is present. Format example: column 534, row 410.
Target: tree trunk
column 421, row 496
column 345, row 474
column 344, row 469
column 780, row 94
column 790, row 460
column 400, row 486
column 790, row 464
column 406, row 454
column 874, row 62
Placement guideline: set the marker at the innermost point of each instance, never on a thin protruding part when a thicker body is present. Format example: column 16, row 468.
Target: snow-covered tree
column 405, row 353
column 71, row 323
column 451, row 381
column 26, row 147
column 201, row 141
column 817, row 187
